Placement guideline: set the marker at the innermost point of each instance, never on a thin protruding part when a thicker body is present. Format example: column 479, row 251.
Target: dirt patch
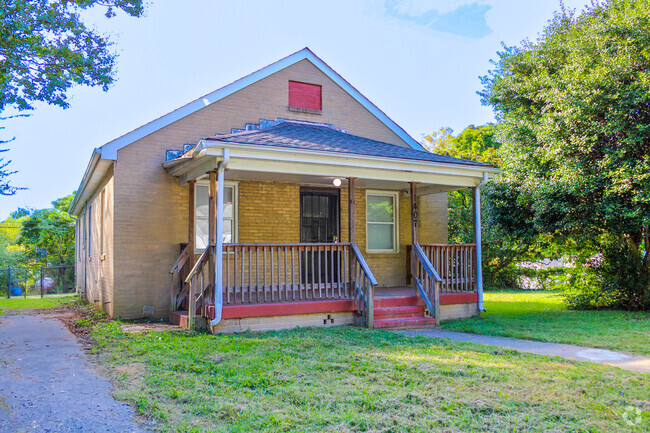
column 137, row 328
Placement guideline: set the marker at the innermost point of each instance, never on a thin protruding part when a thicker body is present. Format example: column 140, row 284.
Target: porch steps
column 400, row 312
column 179, row 318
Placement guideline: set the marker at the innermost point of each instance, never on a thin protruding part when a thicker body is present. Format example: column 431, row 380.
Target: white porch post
column 218, row 250
column 477, row 240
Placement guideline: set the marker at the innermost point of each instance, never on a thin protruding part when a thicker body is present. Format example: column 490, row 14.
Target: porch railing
column 363, row 283
column 198, row 283
column 179, row 287
column 427, row 280
column 265, row 273
column 456, row 265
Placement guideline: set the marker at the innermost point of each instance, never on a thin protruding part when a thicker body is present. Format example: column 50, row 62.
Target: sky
column 417, row 60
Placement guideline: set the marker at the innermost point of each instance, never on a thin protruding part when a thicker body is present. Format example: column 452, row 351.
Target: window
column 303, row 95
column 381, row 221
column 201, row 215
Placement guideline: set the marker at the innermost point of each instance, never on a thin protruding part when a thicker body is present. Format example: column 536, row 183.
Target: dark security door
column 319, row 223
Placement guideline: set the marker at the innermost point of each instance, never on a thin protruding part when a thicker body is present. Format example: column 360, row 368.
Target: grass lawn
column 543, row 316
column 49, row 301
column 357, row 380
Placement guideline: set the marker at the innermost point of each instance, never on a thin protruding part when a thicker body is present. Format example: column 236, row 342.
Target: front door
column 319, row 223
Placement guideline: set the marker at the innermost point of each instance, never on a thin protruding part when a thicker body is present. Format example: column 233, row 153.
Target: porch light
column 337, row 182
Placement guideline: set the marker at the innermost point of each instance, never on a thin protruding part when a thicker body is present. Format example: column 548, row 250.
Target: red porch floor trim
column 282, row 309
column 458, row 298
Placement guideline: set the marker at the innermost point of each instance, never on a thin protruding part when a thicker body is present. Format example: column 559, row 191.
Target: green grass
column 543, row 316
column 357, row 380
column 36, row 302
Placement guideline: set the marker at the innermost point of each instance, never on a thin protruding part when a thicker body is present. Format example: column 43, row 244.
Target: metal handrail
column 198, row 263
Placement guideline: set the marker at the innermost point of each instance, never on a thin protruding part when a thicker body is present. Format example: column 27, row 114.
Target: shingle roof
column 305, row 136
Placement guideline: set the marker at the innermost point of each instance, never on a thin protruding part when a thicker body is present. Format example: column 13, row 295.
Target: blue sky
column 418, row 60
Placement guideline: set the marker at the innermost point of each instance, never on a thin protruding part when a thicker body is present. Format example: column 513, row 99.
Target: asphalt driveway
column 48, row 385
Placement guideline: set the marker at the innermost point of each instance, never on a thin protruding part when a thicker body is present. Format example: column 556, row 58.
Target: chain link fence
column 43, row 281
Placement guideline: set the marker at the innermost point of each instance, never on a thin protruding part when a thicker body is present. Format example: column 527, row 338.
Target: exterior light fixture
column 337, row 182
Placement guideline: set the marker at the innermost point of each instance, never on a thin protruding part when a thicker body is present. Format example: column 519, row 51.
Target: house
column 283, row 199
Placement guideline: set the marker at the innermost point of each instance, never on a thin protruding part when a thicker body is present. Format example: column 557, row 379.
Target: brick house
column 283, row 199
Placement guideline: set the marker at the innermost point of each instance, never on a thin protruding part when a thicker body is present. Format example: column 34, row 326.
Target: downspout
column 477, row 230
column 86, row 228
column 218, row 249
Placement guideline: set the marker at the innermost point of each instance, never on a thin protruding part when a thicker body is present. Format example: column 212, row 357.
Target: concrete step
column 411, row 322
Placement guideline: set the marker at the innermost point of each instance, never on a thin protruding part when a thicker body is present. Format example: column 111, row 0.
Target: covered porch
column 332, row 272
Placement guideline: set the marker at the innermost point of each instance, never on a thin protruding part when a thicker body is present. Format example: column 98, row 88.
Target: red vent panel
column 305, row 95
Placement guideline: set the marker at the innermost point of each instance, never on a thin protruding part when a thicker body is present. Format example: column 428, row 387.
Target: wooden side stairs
column 401, row 312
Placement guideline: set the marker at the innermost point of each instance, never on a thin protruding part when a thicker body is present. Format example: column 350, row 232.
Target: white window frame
column 395, row 196
column 235, row 208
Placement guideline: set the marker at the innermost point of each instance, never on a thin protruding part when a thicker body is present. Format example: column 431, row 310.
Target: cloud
column 454, row 17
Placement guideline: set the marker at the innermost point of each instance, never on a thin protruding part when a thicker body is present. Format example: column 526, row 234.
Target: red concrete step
column 179, row 318
column 411, row 322
column 407, row 301
column 399, row 312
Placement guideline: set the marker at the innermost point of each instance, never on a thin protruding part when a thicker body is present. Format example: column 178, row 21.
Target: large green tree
column 45, row 49
column 573, row 111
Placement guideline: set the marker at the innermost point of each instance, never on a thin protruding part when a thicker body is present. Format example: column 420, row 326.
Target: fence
column 43, row 281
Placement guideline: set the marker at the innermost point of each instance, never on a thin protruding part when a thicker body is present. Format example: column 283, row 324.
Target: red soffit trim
column 305, row 95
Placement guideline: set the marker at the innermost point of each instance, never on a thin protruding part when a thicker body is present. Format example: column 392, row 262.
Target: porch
column 339, row 263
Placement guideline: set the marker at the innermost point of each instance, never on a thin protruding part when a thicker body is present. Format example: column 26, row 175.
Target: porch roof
column 325, row 138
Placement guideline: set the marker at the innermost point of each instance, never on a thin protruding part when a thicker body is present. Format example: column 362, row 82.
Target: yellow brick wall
column 95, row 267
column 150, row 206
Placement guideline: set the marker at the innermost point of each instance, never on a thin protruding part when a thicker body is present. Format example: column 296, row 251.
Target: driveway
column 48, row 385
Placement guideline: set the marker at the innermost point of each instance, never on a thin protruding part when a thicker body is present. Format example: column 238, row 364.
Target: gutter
column 218, row 249
column 479, row 248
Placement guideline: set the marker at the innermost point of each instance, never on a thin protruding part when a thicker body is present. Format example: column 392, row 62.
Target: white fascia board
column 95, row 172
column 285, row 160
column 109, row 150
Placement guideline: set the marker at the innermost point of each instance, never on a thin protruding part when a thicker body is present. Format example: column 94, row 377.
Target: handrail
column 302, row 244
column 426, row 263
column 198, row 263
column 364, row 265
column 178, row 260
column 433, row 274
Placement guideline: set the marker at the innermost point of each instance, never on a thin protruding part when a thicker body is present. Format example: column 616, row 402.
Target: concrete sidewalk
column 48, row 385
column 625, row 361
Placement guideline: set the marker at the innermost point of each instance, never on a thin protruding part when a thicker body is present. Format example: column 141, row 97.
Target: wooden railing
column 363, row 283
column 267, row 273
column 456, row 265
column 427, row 280
column 179, row 288
column 198, row 282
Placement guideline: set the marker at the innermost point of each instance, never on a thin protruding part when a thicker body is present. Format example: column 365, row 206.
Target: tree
column 48, row 234
column 573, row 111
column 45, row 48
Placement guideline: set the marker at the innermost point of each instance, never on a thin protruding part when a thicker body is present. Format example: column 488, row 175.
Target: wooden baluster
column 286, row 276
column 280, row 274
column 293, row 273
column 325, row 269
column 257, row 274
column 301, row 282
column 272, row 273
column 265, row 288
column 313, row 274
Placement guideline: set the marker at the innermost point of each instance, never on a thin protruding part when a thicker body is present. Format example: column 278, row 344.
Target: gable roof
column 323, row 138
column 109, row 150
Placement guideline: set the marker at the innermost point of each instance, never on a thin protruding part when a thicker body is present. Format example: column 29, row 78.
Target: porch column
column 476, row 205
column 414, row 232
column 191, row 236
